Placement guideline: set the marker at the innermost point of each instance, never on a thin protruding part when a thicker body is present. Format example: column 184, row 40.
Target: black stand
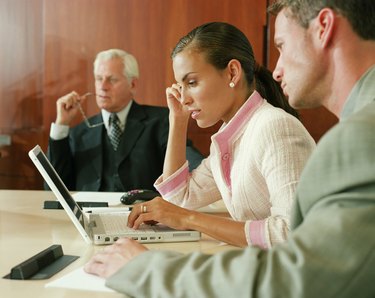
column 43, row 265
column 57, row 205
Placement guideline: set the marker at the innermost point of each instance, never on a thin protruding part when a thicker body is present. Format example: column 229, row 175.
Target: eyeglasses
column 88, row 124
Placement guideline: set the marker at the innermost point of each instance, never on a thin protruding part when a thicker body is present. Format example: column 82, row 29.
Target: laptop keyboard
column 117, row 223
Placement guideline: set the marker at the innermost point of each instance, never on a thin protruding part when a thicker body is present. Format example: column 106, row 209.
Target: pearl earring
column 231, row 84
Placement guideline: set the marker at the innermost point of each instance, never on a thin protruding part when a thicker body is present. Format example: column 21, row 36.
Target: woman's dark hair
column 222, row 42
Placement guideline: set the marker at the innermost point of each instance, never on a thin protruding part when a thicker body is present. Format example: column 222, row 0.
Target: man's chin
column 303, row 104
column 105, row 107
column 295, row 103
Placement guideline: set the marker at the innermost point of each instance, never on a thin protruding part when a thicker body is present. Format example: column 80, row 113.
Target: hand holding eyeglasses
column 69, row 105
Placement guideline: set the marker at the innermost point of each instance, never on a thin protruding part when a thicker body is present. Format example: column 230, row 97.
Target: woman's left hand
column 159, row 210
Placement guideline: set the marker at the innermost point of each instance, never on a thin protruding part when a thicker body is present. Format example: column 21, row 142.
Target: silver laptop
column 103, row 228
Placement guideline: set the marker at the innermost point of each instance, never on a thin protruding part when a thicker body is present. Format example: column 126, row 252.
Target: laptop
column 103, row 228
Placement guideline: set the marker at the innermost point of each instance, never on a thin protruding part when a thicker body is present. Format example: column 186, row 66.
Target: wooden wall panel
column 21, row 91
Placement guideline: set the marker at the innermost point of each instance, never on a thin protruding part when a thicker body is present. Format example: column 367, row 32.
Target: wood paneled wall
column 21, row 89
column 48, row 47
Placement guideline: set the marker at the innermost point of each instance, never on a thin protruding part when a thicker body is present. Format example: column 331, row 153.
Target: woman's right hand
column 179, row 114
column 175, row 101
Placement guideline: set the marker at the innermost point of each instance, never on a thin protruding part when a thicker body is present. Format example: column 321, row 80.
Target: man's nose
column 105, row 84
column 277, row 73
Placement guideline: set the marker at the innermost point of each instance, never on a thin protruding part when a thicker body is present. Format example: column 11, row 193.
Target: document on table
column 80, row 280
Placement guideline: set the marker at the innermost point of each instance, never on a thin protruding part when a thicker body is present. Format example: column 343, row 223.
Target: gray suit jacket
column 329, row 253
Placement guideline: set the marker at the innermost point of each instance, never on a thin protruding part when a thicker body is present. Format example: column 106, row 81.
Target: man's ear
column 235, row 70
column 133, row 86
column 326, row 21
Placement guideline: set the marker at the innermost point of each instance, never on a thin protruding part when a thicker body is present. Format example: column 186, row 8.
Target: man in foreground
column 327, row 57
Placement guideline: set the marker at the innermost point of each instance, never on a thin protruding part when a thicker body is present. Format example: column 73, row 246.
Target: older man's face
column 298, row 68
column 113, row 89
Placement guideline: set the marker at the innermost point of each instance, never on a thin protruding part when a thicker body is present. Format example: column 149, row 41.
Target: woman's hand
column 113, row 257
column 176, row 102
column 159, row 210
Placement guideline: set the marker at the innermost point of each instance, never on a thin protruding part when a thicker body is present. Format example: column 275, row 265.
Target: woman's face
column 204, row 90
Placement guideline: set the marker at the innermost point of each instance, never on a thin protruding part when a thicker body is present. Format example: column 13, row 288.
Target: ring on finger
column 143, row 208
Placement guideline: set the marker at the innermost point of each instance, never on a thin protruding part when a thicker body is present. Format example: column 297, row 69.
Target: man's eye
column 113, row 80
column 192, row 83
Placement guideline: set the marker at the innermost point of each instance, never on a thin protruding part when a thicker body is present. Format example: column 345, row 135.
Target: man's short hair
column 129, row 61
column 359, row 13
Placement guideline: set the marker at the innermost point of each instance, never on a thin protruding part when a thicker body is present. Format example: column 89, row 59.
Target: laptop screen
column 59, row 185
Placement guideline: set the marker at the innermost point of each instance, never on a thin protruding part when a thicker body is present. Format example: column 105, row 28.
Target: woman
column 256, row 157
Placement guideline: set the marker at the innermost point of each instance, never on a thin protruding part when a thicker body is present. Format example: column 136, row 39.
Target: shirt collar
column 227, row 134
column 122, row 115
column 240, row 119
column 361, row 94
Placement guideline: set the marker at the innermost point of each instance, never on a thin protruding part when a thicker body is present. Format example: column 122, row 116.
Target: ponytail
column 269, row 89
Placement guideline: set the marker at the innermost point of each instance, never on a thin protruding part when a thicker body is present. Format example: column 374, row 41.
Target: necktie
column 115, row 130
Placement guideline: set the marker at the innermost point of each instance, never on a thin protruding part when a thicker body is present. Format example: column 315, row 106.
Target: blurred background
column 48, row 47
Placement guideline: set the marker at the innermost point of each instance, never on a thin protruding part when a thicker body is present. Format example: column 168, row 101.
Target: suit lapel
column 92, row 144
column 133, row 129
column 92, row 139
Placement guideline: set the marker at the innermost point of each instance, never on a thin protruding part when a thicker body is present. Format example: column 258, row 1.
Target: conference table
column 26, row 228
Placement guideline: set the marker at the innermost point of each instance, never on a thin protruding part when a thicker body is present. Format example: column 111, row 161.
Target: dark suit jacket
column 79, row 158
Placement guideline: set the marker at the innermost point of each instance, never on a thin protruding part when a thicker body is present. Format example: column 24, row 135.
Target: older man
column 327, row 57
column 121, row 148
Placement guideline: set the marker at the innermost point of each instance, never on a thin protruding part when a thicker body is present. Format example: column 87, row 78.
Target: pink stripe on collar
column 224, row 138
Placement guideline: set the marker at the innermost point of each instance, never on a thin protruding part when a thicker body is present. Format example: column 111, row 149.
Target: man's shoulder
column 366, row 115
column 149, row 111
column 342, row 161
column 156, row 109
column 357, row 121
column 353, row 127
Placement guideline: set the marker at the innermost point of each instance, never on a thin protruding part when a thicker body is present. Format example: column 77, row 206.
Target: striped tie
column 115, row 130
